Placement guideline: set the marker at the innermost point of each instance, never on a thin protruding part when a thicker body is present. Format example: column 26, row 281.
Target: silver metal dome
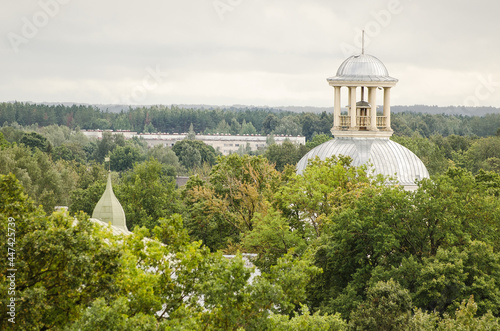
column 362, row 67
column 386, row 156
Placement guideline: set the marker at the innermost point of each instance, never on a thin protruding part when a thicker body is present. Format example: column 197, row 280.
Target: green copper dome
column 109, row 209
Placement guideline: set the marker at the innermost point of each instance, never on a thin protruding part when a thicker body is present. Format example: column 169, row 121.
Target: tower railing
column 363, row 121
column 345, row 120
column 381, row 121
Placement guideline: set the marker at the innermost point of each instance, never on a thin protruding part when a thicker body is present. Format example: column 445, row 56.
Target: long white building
column 224, row 143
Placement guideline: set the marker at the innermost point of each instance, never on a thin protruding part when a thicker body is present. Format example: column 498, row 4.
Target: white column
column 387, row 107
column 352, row 101
column 336, row 110
column 372, row 100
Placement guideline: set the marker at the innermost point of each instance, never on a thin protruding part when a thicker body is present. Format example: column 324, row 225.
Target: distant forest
column 239, row 120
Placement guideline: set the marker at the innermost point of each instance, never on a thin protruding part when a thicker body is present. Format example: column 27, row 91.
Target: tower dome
column 362, row 67
column 361, row 131
column 109, row 210
column 383, row 156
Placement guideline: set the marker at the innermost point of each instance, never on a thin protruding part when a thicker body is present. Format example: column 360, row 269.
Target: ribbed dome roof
column 362, row 67
column 387, row 157
column 109, row 209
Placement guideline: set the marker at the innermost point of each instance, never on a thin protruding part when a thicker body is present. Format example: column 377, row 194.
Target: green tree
column 289, row 125
column 238, row 188
column 190, row 157
column 60, row 267
column 318, row 140
column 271, row 238
column 47, row 182
column 147, row 194
column 247, row 128
column 34, row 140
column 124, row 158
column 85, row 200
column 387, row 307
column 381, row 233
column 307, row 322
column 165, row 156
column 287, row 153
column 270, row 124
column 3, row 141
column 207, row 153
column 105, row 146
column 484, row 154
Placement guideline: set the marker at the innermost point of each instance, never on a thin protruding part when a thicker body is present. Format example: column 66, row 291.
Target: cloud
column 273, row 52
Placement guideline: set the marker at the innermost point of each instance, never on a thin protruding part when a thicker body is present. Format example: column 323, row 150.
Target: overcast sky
column 251, row 52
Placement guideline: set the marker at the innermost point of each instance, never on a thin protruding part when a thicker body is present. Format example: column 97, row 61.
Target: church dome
column 362, row 67
column 386, row 157
column 109, row 210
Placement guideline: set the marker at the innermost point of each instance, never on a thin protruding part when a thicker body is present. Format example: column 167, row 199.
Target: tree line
column 174, row 119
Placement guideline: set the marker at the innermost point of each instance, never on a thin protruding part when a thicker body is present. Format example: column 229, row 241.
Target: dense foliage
column 336, row 248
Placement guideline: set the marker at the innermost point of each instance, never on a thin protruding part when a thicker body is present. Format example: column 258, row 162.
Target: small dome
column 109, row 209
column 387, row 157
column 362, row 67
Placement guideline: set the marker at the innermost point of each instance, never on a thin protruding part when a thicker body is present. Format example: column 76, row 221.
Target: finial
column 363, row 43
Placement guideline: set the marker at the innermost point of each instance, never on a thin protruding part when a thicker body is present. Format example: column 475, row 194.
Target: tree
column 421, row 239
column 191, row 134
column 484, row 154
column 387, row 307
column 124, row 158
column 308, row 199
column 85, row 199
column 287, row 153
column 147, row 194
column 289, row 125
column 34, row 140
column 106, row 145
column 271, row 238
column 247, row 128
column 165, row 156
column 309, row 125
column 186, row 158
column 3, row 141
column 60, row 267
column 223, row 127
column 306, row 321
column 225, row 206
column 190, row 157
column 47, row 182
column 318, row 140
column 270, row 124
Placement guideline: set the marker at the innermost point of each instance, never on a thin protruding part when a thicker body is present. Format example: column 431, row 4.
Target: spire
column 363, row 42
column 109, row 209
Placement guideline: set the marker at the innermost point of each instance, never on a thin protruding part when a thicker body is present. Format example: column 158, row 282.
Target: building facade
column 224, row 143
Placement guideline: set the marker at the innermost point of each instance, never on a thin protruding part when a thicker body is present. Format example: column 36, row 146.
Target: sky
column 246, row 52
